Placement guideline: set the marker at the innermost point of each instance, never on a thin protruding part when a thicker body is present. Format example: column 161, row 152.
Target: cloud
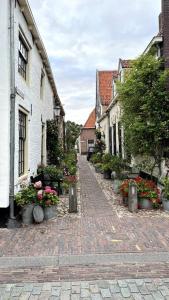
column 83, row 35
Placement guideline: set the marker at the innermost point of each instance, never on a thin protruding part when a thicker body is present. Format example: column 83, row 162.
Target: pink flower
column 48, row 191
column 38, row 184
column 40, row 196
column 47, row 187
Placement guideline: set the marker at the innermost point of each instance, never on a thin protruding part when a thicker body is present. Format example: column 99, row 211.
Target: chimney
column 165, row 21
column 160, row 18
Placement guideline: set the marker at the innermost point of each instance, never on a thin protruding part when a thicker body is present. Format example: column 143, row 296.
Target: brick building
column 87, row 136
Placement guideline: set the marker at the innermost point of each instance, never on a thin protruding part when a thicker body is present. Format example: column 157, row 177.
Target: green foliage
column 70, row 162
column 26, row 196
column 54, row 172
column 54, row 148
column 145, row 104
column 96, row 158
column 98, row 134
column 72, row 133
column 165, row 191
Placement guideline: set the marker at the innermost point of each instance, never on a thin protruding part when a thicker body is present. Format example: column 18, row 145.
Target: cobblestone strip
column 133, row 289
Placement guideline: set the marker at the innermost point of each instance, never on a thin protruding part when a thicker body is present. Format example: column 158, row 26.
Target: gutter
column 155, row 40
column 12, row 109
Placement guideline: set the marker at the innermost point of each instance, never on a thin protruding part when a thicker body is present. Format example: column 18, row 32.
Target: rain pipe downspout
column 12, row 108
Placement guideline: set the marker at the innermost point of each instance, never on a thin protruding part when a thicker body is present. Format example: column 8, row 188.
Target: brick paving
column 102, row 227
column 74, row 247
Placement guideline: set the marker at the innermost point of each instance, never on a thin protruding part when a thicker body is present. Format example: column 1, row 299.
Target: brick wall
column 165, row 14
column 86, row 134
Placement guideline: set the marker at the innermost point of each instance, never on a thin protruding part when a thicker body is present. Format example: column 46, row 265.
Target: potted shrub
column 47, row 199
column 26, row 199
column 165, row 194
column 147, row 191
column 98, row 167
column 148, row 194
column 107, row 165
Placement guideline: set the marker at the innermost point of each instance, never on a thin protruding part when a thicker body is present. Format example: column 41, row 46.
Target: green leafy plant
column 54, row 172
column 165, row 190
column 26, row 196
column 144, row 99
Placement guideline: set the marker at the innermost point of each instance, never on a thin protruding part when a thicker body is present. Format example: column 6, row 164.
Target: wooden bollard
column 72, row 199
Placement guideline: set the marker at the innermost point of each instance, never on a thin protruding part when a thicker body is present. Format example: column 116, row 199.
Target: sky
column 82, row 36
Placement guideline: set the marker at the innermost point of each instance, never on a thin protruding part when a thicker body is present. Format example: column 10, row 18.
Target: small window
column 22, row 141
column 22, row 58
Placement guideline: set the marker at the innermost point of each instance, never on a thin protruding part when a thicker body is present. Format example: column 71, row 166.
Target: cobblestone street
column 102, row 242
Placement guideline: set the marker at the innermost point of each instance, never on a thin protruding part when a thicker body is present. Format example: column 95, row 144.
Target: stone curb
column 84, row 260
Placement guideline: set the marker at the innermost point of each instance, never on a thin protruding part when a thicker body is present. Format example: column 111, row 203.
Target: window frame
column 22, row 57
column 22, row 126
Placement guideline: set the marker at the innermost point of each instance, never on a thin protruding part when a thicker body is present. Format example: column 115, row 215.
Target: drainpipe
column 12, row 109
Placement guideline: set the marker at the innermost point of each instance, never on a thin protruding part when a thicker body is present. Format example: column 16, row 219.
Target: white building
column 28, row 91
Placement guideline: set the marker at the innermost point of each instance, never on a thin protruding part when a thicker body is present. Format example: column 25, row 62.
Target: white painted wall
column 37, row 109
column 4, row 104
column 105, row 129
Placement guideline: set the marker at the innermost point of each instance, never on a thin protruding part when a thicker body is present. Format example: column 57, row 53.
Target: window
column 22, row 58
column 22, row 140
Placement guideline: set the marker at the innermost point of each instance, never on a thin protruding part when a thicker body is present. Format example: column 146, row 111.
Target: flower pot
column 49, row 212
column 38, row 214
column 145, row 203
column 27, row 214
column 107, row 174
column 165, row 204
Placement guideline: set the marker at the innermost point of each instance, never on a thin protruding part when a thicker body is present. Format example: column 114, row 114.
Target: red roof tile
column 90, row 123
column 106, row 86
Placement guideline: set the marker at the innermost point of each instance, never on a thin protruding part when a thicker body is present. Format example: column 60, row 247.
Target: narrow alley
column 97, row 243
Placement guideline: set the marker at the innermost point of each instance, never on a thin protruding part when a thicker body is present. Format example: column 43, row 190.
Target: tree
column 72, row 132
column 145, row 105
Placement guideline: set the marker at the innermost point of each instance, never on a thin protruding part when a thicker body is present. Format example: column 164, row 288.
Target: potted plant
column 107, row 165
column 148, row 193
column 26, row 199
column 165, row 194
column 98, row 167
column 48, row 199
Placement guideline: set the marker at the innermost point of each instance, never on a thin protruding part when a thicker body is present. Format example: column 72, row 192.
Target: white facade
column 35, row 103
